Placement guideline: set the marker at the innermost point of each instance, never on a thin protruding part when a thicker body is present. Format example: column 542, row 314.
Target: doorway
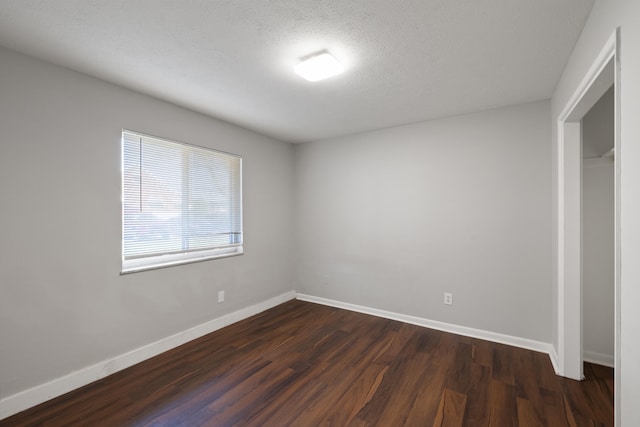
column 598, row 222
column 603, row 74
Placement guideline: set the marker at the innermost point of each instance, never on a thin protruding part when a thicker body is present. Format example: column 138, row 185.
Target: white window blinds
column 181, row 203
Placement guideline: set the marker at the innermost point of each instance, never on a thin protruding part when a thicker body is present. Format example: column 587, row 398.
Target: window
column 180, row 203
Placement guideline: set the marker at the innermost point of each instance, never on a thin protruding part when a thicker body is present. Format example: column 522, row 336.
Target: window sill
column 164, row 261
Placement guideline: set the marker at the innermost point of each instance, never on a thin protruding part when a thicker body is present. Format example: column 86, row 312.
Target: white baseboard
column 555, row 359
column 41, row 393
column 598, row 358
column 440, row 326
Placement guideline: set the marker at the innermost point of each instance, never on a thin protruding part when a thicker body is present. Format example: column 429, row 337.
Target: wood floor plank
column 478, row 397
column 459, row 372
column 389, row 404
column 303, row 364
column 288, row 406
column 527, row 415
column 481, row 352
column 502, row 404
column 528, row 388
column 451, row 409
column 352, row 400
column 427, row 401
column 502, row 366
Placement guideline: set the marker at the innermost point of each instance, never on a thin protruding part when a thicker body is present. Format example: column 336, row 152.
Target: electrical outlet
column 220, row 296
column 448, row 298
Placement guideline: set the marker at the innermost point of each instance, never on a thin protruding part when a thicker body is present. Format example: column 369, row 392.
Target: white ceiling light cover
column 319, row 67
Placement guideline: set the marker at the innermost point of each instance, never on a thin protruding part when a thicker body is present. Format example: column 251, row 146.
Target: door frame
column 604, row 71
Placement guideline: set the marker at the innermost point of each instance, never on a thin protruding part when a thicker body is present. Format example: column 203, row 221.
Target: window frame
column 150, row 262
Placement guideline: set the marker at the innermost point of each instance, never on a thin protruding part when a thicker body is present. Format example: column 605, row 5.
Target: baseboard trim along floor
column 442, row 326
column 59, row 386
column 41, row 393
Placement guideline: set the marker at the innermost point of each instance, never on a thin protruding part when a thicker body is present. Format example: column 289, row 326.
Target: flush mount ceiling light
column 319, row 66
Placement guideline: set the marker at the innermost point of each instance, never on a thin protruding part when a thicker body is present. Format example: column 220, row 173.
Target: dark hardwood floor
column 304, row 364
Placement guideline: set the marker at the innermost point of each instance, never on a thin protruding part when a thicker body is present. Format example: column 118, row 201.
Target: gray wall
column 394, row 218
column 597, row 260
column 598, row 127
column 598, row 285
column 63, row 303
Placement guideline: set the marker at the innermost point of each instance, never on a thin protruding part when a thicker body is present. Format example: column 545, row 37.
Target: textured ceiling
column 406, row 61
